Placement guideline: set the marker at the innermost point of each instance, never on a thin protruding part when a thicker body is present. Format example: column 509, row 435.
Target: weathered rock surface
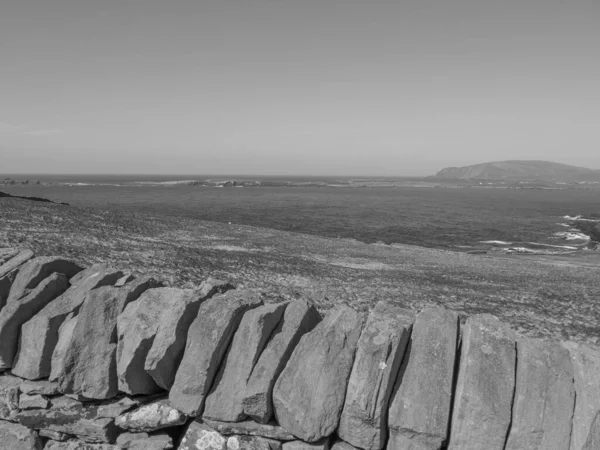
column 151, row 417
column 485, row 386
column 78, row 445
column 35, row 401
column 342, row 445
column 252, row 443
column 17, row 437
column 65, row 334
column 155, row 442
column 39, row 335
column 381, row 347
column 90, row 361
column 9, row 395
column 10, row 264
column 309, row 394
column 17, row 312
column 323, row 444
column 586, row 367
column 299, row 318
column 7, row 253
column 89, row 423
column 251, row 428
column 544, row 397
column 199, row 436
column 53, row 435
column 9, row 268
column 420, row 410
column 42, row 387
column 37, row 269
column 166, row 352
column 208, row 339
column 224, row 402
column 593, row 440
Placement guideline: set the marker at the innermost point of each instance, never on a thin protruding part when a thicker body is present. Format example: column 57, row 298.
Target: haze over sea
column 461, row 219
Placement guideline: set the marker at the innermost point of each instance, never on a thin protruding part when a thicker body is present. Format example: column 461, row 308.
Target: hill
column 520, row 171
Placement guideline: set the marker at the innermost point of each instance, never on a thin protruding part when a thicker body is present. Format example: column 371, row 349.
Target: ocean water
column 461, row 219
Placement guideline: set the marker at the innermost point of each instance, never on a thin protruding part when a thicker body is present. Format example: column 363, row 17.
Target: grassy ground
column 546, row 297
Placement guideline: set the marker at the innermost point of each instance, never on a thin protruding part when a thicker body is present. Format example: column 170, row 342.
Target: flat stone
column 78, row 445
column 482, row 410
column 17, row 312
column 124, row 280
column 54, row 435
column 33, row 402
column 586, row 367
column 544, row 397
column 155, row 442
column 342, row 445
column 309, row 394
column 151, row 417
column 65, row 334
column 199, row 436
column 90, row 361
column 15, row 262
column 166, row 352
column 323, row 444
column 125, row 439
column 42, row 387
column 17, row 437
column 37, row 269
column 208, row 339
column 9, row 396
column 251, row 428
column 7, row 253
column 420, row 410
column 39, row 336
column 299, row 318
column 224, row 402
column 5, row 283
column 381, row 347
column 243, row 442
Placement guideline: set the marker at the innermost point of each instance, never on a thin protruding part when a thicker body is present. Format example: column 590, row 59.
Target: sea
column 416, row 211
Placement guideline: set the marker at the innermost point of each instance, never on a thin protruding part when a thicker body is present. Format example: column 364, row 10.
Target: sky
column 298, row 87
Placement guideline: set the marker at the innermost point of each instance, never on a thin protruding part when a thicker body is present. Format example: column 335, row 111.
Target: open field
column 548, row 297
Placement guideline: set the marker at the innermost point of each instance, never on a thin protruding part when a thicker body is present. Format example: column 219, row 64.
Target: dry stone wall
column 98, row 359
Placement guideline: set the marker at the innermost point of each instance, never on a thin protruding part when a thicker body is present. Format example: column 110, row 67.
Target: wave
column 573, row 236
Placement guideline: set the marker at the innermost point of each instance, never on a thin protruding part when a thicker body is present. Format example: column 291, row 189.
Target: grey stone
column 78, row 445
column 125, row 439
column 90, row 361
column 9, row 396
column 544, row 397
column 42, row 387
column 124, row 280
column 586, row 367
column 159, row 441
column 166, row 352
column 15, row 262
column 251, row 428
column 17, row 312
column 37, row 269
column 485, row 386
column 323, row 444
column 39, row 335
column 208, row 339
column 299, row 318
column 17, row 437
column 593, row 440
column 199, row 436
column 151, row 417
column 381, row 347
column 53, row 435
column 7, row 253
column 65, row 334
column 243, row 442
column 309, row 394
column 33, row 402
column 224, row 402
column 420, row 410
column 342, row 445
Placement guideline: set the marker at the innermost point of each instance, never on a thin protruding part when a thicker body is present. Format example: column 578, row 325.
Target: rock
column 166, row 352
column 299, row 318
column 544, row 397
column 420, row 410
column 252, row 443
column 309, row 394
column 17, row 312
column 125, row 439
column 37, row 269
column 224, row 402
column 39, row 335
column 136, row 327
column 53, row 435
column 251, row 428
column 155, row 442
column 151, row 417
column 5, row 283
column 92, row 423
column 482, row 410
column 9, row 396
column 342, row 445
column 124, row 280
column 65, row 334
column 15, row 262
column 199, row 436
column 33, row 402
column 7, row 253
column 90, row 361
column 17, row 437
column 586, row 367
column 78, row 445
column 380, row 350
column 593, row 440
column 43, row 387
column 323, row 444
column 208, row 339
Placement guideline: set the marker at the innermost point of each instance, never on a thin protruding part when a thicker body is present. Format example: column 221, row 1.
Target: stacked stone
column 98, row 359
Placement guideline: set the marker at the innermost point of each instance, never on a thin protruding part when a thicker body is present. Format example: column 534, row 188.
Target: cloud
column 23, row 130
